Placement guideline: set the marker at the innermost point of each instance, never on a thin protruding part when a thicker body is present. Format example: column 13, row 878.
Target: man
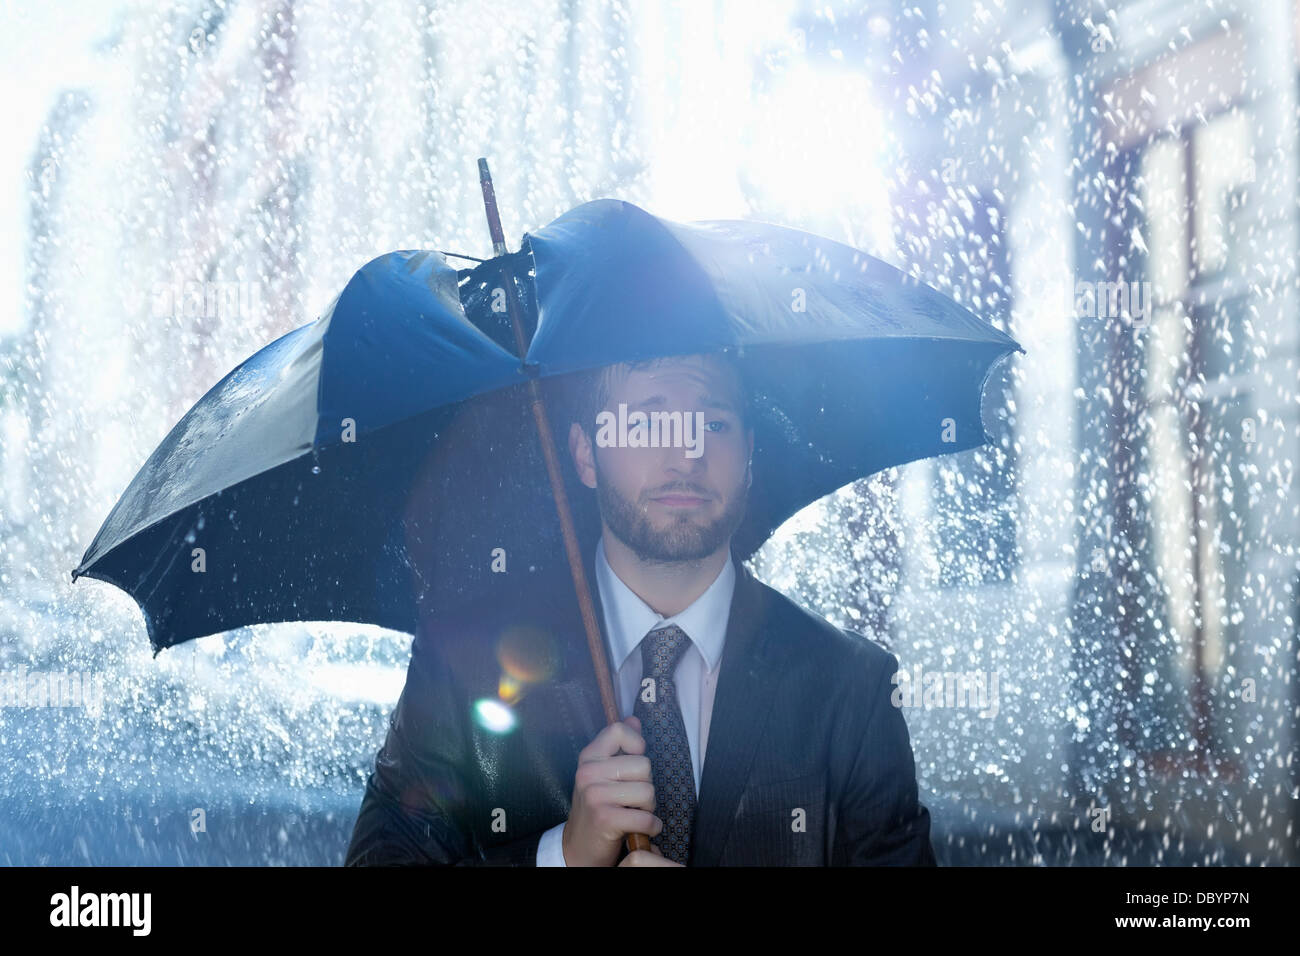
column 754, row 732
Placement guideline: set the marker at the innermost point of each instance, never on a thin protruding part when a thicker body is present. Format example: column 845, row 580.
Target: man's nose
column 679, row 460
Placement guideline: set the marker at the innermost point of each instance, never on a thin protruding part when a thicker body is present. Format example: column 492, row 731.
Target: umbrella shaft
column 595, row 641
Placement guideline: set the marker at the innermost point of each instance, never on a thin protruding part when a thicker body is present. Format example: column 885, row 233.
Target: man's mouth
column 680, row 501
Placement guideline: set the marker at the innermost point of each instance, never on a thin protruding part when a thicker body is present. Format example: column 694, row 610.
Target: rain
column 1113, row 575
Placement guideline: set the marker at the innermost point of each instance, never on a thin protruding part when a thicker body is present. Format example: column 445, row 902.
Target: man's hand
column 612, row 796
column 654, row 857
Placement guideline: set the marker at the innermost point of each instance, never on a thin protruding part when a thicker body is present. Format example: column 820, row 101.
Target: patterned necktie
column 667, row 746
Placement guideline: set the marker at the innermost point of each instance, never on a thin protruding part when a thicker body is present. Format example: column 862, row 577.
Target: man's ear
column 581, row 452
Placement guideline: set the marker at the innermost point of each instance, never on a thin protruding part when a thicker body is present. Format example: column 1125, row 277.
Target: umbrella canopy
column 382, row 460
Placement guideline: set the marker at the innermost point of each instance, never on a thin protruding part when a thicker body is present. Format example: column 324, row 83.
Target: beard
column 683, row 539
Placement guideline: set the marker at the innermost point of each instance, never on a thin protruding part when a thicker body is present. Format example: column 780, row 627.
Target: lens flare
column 494, row 716
column 527, row 655
column 509, row 689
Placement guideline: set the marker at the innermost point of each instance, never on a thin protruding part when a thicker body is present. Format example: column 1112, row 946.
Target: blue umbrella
column 367, row 465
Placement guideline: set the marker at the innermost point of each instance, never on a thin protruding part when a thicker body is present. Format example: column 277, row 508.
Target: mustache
column 693, row 490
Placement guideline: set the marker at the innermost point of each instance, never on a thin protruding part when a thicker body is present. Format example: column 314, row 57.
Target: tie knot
column 661, row 649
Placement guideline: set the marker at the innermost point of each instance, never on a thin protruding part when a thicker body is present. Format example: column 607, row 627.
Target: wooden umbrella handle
column 595, row 643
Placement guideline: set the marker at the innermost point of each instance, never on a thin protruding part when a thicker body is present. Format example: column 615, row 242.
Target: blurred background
column 1114, row 185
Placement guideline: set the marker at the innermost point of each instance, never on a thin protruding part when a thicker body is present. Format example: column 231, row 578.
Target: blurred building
column 1117, row 185
column 35, row 439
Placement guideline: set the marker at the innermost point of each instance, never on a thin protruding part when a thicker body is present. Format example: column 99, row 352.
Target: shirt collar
column 628, row 619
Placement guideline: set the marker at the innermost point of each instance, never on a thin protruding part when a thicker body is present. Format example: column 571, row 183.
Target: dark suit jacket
column 802, row 721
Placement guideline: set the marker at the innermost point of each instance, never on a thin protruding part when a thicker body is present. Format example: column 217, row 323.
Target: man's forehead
column 703, row 370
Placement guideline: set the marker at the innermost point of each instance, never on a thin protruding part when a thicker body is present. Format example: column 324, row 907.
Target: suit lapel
column 746, row 684
column 579, row 690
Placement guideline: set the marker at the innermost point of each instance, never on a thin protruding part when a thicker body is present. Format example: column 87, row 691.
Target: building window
column 1180, row 457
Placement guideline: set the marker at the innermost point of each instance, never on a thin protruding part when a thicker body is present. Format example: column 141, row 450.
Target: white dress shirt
column 628, row 619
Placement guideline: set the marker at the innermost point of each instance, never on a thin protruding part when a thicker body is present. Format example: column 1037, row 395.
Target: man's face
column 662, row 503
